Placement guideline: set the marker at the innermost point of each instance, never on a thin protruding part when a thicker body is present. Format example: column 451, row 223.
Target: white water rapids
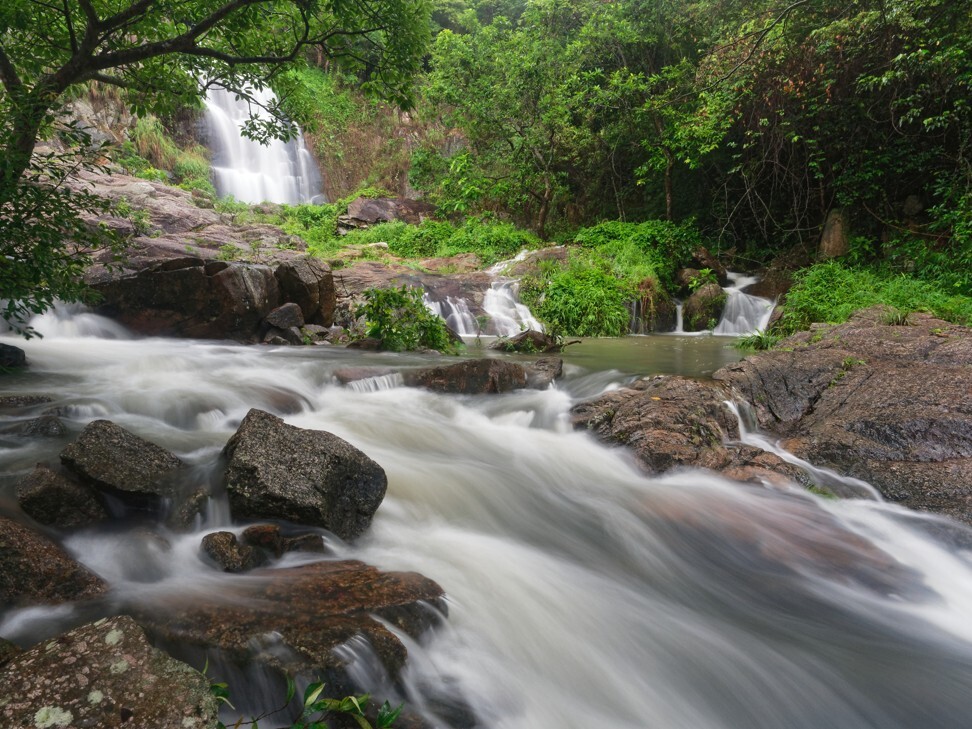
column 582, row 594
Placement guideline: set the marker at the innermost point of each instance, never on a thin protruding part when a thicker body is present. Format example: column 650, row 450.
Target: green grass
column 830, row 292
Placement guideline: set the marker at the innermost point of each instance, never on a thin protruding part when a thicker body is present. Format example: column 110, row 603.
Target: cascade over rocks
column 50, row 497
column 888, row 404
column 673, row 422
column 36, row 571
column 279, row 471
column 309, row 611
column 116, row 461
column 469, row 377
column 103, row 675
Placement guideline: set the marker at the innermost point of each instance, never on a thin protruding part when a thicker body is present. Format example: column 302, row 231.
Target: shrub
column 584, row 301
column 400, row 320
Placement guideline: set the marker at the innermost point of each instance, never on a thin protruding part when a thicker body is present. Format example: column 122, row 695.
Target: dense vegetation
column 739, row 126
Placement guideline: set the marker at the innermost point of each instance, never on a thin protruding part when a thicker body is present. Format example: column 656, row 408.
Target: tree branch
column 8, row 74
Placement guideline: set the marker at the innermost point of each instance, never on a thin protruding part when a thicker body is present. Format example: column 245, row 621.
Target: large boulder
column 11, row 357
column 278, row 471
column 889, row 404
column 703, row 309
column 364, row 211
column 189, row 297
column 104, row 675
column 292, row 620
column 34, row 570
column 118, row 462
column 470, row 377
column 308, row 282
column 51, row 498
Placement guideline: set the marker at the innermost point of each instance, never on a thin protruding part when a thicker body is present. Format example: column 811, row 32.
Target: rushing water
column 279, row 172
column 582, row 594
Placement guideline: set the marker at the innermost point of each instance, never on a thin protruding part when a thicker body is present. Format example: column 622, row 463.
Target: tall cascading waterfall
column 744, row 314
column 278, row 172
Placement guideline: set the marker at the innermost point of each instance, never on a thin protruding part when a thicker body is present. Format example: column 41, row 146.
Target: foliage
column 831, row 291
column 399, row 319
column 39, row 265
column 583, row 301
column 315, row 709
column 704, row 276
column 759, row 340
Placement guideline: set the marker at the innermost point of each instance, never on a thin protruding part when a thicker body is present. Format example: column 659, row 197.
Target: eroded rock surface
column 470, row 377
column 278, row 471
column 888, row 404
column 293, row 619
column 103, row 675
column 37, row 571
column 50, row 497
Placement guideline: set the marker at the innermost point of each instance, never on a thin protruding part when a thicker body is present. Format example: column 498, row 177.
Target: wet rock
column 51, row 498
column 188, row 297
column 285, row 317
column 542, row 373
column 20, row 402
column 529, row 342
column 8, row 651
column 11, row 357
column 309, row 283
column 278, row 471
column 269, row 538
column 891, row 405
column 316, row 332
column 103, row 675
column 225, row 550
column 34, row 570
column 46, row 426
column 187, row 509
column 363, row 211
column 470, row 377
column 114, row 460
column 293, row 619
column 703, row 309
column 283, row 337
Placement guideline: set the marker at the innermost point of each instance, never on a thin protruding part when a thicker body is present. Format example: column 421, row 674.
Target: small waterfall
column 508, row 316
column 744, row 314
column 455, row 311
column 279, row 172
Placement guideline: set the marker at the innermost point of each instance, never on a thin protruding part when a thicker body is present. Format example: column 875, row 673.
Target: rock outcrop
column 114, row 460
column 36, row 571
column 364, row 211
column 469, row 377
column 891, row 405
column 103, row 675
column 293, row 619
column 308, row 283
column 278, row 471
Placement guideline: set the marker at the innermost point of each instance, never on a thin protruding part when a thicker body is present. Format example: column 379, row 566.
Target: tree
column 163, row 54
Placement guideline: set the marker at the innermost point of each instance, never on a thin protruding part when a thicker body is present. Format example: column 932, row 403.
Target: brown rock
column 369, row 211
column 103, row 675
column 34, row 570
column 703, row 309
column 231, row 556
column 835, row 238
column 470, row 377
column 309, row 283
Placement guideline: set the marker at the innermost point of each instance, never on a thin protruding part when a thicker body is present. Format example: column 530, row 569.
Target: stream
column 581, row 593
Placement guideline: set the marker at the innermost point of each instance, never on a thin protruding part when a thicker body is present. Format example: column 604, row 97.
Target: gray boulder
column 116, row 461
column 364, row 211
column 285, row 317
column 11, row 356
column 103, row 675
column 308, row 283
column 34, row 570
column 278, row 471
column 46, row 426
column 51, row 498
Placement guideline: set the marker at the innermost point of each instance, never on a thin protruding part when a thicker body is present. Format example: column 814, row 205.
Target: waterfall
column 744, row 314
column 455, row 311
column 279, row 172
column 507, row 315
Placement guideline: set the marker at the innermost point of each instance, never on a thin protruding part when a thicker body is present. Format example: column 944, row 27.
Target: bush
column 400, row 320
column 583, row 301
column 830, row 292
